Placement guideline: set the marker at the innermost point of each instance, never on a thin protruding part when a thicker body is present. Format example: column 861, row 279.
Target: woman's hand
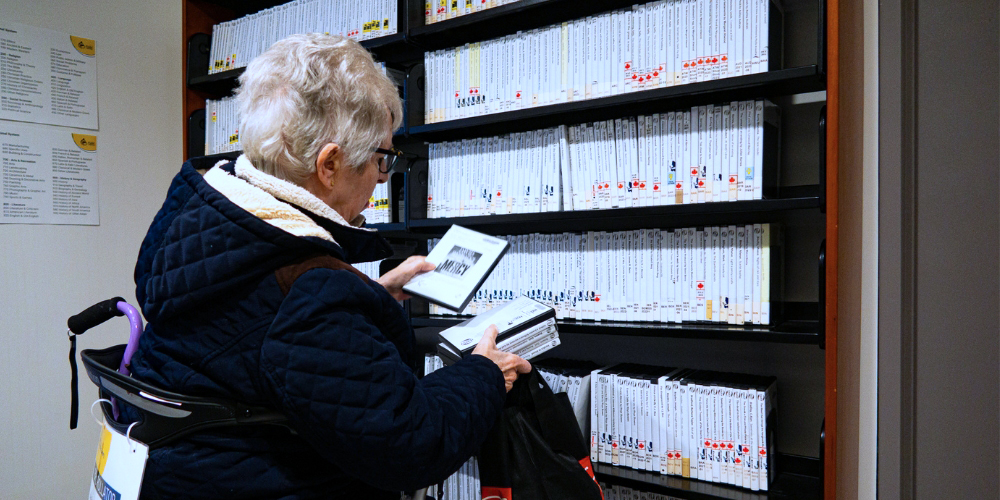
column 394, row 280
column 511, row 365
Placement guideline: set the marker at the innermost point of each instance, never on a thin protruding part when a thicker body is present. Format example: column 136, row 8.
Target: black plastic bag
column 536, row 450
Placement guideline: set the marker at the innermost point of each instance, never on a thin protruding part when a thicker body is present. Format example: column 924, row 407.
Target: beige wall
column 50, row 272
column 858, row 253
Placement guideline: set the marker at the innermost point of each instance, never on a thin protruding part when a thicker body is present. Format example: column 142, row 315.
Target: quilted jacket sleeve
column 347, row 392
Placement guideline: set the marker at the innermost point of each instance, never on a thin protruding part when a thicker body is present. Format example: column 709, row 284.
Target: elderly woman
column 245, row 280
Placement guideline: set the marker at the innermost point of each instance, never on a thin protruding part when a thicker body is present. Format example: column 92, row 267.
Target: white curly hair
column 310, row 90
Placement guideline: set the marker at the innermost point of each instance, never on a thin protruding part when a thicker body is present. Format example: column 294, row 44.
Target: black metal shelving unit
column 800, row 323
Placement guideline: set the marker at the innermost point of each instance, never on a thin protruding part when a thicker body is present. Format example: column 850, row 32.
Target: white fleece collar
column 268, row 198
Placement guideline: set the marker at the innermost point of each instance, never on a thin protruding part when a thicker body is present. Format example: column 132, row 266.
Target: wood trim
column 832, row 242
column 198, row 17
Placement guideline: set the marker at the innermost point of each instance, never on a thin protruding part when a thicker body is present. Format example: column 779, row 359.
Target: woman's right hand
column 510, row 364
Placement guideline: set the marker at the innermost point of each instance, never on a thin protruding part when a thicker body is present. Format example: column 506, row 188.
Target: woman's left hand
column 394, row 280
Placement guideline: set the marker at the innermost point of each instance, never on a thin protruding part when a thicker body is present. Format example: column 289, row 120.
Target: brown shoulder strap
column 287, row 275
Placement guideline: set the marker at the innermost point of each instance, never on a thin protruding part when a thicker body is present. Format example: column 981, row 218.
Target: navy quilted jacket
column 332, row 350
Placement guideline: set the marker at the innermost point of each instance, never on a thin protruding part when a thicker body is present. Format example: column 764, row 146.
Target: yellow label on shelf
column 86, row 142
column 84, row 46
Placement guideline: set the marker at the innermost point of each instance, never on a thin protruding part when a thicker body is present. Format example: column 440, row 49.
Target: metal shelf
column 621, row 219
column 217, row 83
column 389, row 227
column 786, row 486
column 391, row 49
column 232, row 155
column 241, row 8
column 768, row 84
column 799, row 327
column 507, row 19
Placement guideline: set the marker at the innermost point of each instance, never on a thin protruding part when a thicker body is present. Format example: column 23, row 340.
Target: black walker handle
column 79, row 323
column 94, row 315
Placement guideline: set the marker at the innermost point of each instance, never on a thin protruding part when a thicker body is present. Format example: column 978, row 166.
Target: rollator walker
column 163, row 416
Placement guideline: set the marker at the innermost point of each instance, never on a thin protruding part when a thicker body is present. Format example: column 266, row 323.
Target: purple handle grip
column 135, row 322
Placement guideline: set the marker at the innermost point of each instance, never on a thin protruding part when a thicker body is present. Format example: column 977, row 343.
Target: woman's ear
column 329, row 161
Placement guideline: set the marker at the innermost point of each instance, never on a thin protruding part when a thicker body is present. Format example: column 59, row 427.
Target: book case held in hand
column 802, row 80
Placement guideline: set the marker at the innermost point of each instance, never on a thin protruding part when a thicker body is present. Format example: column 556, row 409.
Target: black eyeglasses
column 389, row 159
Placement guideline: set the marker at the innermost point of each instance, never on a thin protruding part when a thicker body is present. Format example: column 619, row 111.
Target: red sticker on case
column 492, row 493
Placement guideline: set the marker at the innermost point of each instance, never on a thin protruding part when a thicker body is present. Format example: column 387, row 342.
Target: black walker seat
column 164, row 416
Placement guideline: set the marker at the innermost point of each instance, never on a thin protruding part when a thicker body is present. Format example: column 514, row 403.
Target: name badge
column 121, row 462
